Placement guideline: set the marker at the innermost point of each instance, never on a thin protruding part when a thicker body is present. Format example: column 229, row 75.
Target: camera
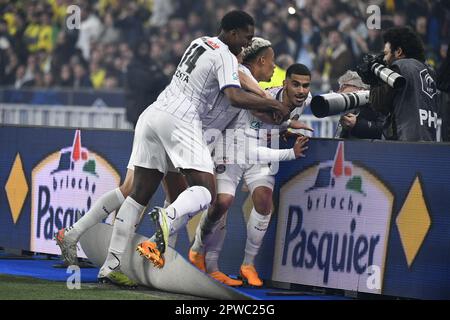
column 373, row 65
column 330, row 104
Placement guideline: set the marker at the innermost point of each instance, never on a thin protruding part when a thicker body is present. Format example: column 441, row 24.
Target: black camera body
column 373, row 69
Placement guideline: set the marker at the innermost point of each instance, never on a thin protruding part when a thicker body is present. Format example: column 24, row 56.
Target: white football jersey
column 196, row 89
column 251, row 124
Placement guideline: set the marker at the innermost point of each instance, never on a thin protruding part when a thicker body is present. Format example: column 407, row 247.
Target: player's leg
column 212, row 254
column 67, row 238
column 184, row 145
column 227, row 178
column 257, row 224
column 145, row 184
column 150, row 165
column 210, row 232
column 205, row 229
column 174, row 184
column 191, row 201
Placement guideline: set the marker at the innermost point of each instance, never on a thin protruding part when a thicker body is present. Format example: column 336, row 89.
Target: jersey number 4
column 191, row 57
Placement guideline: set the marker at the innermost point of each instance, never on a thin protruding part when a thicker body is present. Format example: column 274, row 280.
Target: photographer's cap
column 351, row 78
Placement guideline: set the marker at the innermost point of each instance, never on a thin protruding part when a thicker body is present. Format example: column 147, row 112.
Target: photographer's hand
column 348, row 121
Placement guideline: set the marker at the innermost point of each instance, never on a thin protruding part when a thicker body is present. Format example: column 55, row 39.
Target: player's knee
column 221, row 206
column 264, row 208
column 262, row 200
column 263, row 205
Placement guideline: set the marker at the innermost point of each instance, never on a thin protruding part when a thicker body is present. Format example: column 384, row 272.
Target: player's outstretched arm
column 265, row 154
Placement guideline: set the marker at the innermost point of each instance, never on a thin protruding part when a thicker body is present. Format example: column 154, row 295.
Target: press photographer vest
column 415, row 105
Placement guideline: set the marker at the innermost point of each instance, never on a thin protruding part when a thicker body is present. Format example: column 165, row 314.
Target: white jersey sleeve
column 227, row 70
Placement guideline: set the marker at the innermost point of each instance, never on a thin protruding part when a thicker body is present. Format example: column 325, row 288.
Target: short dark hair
column 236, row 19
column 298, row 68
column 408, row 40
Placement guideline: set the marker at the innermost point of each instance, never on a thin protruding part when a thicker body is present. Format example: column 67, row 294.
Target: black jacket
column 144, row 82
column 369, row 125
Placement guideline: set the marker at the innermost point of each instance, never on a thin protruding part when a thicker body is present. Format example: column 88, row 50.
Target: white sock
column 124, row 226
column 190, row 202
column 204, row 232
column 107, row 203
column 256, row 229
column 215, row 246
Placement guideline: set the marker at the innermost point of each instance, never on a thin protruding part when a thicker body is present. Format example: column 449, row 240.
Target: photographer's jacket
column 411, row 110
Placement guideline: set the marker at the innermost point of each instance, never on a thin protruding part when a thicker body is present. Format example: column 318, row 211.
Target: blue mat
column 43, row 269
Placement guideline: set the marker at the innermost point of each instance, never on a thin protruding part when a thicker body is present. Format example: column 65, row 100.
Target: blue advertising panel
column 366, row 216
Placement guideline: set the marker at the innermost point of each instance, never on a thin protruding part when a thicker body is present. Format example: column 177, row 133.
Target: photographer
column 363, row 123
column 412, row 109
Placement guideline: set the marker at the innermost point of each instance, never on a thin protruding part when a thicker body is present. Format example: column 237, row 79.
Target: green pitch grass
column 24, row 288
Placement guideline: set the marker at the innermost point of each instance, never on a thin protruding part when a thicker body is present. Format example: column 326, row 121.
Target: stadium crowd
column 37, row 49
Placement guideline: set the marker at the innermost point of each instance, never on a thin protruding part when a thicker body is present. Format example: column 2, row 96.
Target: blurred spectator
column 109, row 33
column 65, row 76
column 109, row 28
column 399, row 19
column 308, row 43
column 374, row 41
column 97, row 74
column 130, row 22
column 144, row 81
column 162, row 9
column 90, row 29
column 46, row 33
column 280, row 43
column 334, row 60
column 81, row 78
column 111, row 82
column 21, row 79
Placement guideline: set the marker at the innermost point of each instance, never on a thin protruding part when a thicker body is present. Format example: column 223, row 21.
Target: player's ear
column 262, row 60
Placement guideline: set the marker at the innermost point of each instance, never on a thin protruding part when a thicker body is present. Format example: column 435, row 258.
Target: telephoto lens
column 392, row 78
column 330, row 104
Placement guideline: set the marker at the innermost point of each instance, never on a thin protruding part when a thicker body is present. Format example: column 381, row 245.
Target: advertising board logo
column 333, row 226
column 64, row 186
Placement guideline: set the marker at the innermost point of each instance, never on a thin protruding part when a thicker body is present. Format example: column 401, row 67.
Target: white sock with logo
column 215, row 246
column 124, row 226
column 256, row 229
column 190, row 202
column 107, row 203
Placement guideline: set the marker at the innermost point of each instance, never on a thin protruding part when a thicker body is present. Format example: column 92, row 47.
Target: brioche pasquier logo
column 64, row 187
column 333, row 226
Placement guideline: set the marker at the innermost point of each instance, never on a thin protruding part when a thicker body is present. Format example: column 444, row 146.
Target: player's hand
column 300, row 147
column 348, row 121
column 296, row 124
column 281, row 110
